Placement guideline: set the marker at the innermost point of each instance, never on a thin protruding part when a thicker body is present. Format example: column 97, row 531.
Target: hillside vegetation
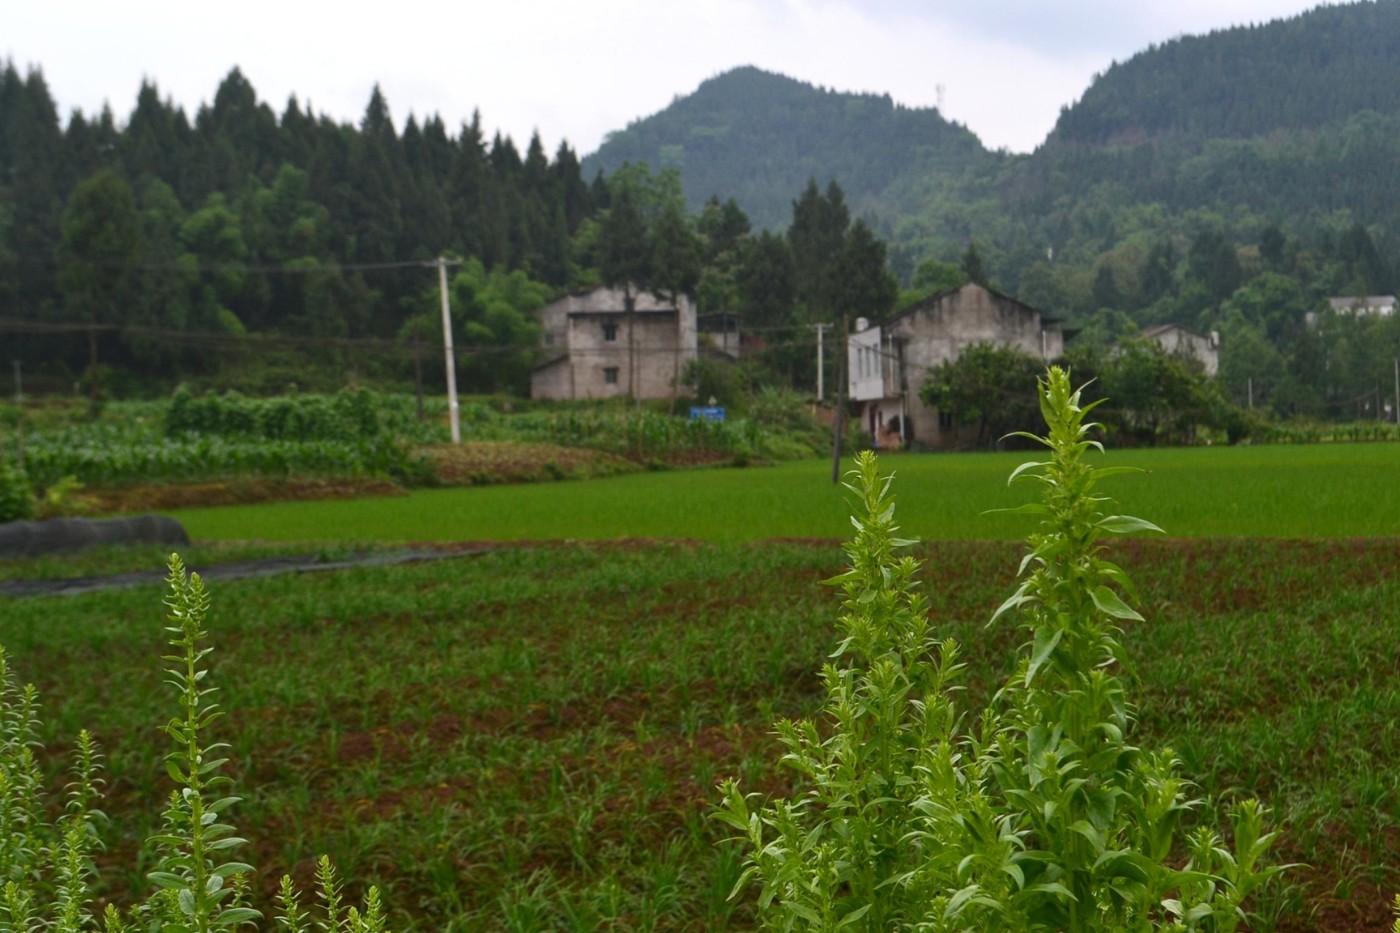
column 758, row 137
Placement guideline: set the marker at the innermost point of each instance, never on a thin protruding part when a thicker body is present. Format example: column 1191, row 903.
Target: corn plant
column 1038, row 814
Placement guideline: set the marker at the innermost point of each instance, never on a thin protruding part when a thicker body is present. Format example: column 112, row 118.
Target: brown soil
column 233, row 492
column 487, row 462
column 474, row 463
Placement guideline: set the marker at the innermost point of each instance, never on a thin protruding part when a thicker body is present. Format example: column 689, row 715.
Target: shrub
column 1039, row 814
column 47, row 863
column 16, row 495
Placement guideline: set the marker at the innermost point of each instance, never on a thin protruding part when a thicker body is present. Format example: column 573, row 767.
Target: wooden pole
column 92, row 365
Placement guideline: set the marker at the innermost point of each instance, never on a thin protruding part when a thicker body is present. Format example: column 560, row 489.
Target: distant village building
column 1379, row 305
column 1179, row 340
column 597, row 346
column 719, row 334
column 1356, row 305
column 887, row 364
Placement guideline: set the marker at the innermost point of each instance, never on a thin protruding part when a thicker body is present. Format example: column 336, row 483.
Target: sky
column 576, row 70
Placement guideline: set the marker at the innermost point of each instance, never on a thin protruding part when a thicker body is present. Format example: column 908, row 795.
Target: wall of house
column 865, row 365
column 939, row 329
column 1188, row 343
column 648, row 350
column 554, row 380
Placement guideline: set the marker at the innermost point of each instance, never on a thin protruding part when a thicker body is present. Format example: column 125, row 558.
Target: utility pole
column 820, row 329
column 453, row 412
column 841, row 379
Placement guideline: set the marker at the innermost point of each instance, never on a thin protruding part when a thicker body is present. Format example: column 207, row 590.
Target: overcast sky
column 577, row 70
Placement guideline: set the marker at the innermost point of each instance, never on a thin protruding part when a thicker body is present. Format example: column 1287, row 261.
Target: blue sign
column 709, row 413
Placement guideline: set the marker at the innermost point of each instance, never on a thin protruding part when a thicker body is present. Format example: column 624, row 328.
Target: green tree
column 816, row 237
column 990, row 386
column 767, row 282
column 863, row 284
column 675, row 254
column 101, row 244
column 971, row 265
column 213, row 237
column 1213, row 263
column 1156, row 395
column 933, row 276
column 624, row 256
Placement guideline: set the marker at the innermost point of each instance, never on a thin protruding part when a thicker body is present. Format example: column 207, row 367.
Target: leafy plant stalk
column 1039, row 814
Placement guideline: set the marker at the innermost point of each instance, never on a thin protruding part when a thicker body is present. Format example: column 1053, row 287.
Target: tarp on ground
column 31, row 539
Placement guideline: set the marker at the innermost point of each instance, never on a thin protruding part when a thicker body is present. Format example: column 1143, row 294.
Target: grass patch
column 530, row 739
column 1274, row 491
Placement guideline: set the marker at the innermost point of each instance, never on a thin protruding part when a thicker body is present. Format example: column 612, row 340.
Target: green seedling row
column 531, row 739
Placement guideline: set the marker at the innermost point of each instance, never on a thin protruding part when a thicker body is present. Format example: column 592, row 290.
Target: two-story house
column 599, row 343
column 887, row 364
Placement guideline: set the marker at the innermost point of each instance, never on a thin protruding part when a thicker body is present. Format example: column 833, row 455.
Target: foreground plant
column 1041, row 815
column 47, row 866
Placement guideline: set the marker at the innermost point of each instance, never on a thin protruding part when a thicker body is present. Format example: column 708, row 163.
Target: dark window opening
column 609, row 331
column 610, row 375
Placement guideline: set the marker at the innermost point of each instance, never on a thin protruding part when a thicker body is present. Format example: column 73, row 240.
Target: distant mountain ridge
column 1301, row 73
column 758, row 137
column 1294, row 123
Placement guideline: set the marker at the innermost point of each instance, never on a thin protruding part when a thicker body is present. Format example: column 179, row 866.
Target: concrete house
column 1179, row 340
column 888, row 363
column 596, row 346
column 1379, row 305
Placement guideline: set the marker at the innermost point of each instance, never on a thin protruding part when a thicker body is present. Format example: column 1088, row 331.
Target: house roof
column 939, row 296
column 609, row 312
column 1161, row 329
column 1366, row 301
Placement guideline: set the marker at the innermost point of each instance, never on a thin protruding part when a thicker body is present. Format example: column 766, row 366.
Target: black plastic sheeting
column 56, row 536
column 73, row 586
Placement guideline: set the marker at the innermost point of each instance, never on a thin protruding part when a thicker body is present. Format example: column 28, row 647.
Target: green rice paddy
column 1268, row 491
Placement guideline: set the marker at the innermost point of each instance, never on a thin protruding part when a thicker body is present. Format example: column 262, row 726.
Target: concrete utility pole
column 820, row 329
column 842, row 377
column 453, row 411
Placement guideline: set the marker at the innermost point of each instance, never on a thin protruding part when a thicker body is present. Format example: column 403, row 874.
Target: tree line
column 243, row 224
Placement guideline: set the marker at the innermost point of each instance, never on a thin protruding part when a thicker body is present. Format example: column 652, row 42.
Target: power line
column 262, row 268
column 407, row 346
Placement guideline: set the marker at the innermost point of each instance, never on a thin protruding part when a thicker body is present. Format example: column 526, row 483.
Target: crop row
column 642, row 433
column 351, row 413
column 114, row 457
column 1358, row 431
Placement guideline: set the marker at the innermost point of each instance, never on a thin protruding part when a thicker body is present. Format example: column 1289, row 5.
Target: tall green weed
column 47, row 864
column 1037, row 814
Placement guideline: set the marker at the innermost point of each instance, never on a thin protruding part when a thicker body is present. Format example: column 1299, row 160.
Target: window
column 945, row 420
column 610, row 375
column 610, row 333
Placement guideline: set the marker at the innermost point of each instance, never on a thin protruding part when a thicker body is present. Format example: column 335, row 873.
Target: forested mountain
column 758, row 137
column 1227, row 182
column 1302, row 73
